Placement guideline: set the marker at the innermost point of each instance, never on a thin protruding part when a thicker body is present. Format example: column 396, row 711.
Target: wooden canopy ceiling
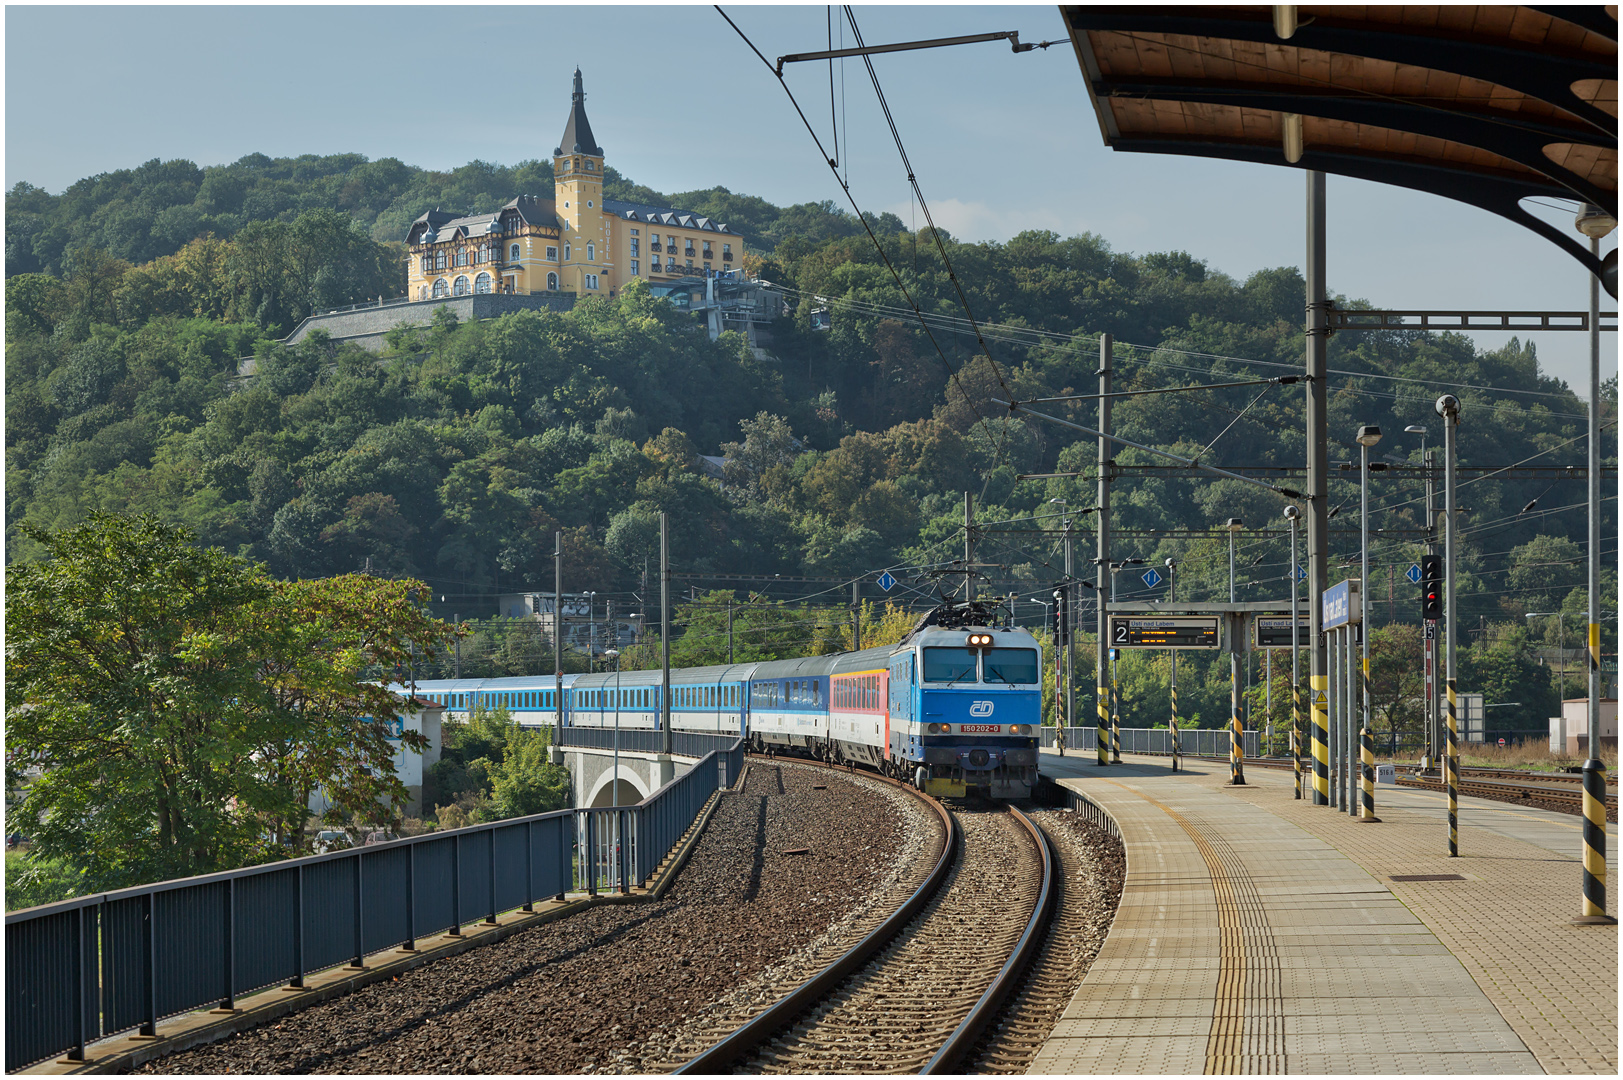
column 1486, row 105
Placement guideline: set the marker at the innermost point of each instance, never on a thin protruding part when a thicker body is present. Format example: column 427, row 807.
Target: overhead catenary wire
column 846, row 189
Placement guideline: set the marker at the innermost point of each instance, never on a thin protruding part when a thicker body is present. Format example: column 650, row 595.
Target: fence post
column 78, row 1051
column 591, row 853
column 228, row 1000
column 410, row 944
column 456, row 886
column 491, row 834
column 298, row 939
column 360, row 944
column 529, row 866
column 149, row 950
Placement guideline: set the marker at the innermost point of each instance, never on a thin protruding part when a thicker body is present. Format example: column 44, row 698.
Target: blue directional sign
column 886, row 582
column 1413, row 574
column 1301, row 573
column 1152, row 577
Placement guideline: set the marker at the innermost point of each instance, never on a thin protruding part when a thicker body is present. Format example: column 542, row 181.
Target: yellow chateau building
column 575, row 242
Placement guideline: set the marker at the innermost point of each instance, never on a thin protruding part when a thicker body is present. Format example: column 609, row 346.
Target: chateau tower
column 577, row 166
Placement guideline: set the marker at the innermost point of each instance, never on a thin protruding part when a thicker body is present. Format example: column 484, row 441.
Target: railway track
column 1562, row 792
column 917, row 991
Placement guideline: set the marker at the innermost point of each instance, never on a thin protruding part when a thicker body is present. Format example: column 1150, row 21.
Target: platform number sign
column 1413, row 574
column 1301, row 573
column 886, row 581
column 1152, row 577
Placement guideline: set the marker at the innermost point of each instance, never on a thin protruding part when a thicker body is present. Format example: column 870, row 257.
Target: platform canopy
column 1486, row 105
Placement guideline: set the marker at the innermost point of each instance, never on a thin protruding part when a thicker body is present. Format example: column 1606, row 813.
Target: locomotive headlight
column 1019, row 729
column 980, row 641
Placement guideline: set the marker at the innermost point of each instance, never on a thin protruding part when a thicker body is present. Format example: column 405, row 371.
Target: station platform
column 1260, row 934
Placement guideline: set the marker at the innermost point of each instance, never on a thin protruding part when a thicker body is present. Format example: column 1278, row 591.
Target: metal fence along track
column 94, row 966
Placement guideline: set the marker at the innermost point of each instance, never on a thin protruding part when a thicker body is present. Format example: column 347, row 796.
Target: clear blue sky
column 1000, row 142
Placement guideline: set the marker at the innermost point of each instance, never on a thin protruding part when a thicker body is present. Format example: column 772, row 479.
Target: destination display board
column 1271, row 632
column 1164, row 632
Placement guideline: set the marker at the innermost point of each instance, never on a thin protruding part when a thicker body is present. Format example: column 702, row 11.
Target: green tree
column 178, row 701
column 524, row 782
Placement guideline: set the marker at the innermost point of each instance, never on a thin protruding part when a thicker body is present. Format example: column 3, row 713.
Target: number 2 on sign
column 1121, row 633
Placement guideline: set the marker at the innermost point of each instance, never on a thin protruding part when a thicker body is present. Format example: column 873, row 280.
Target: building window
column 481, row 284
column 707, row 266
column 552, row 283
column 634, row 232
column 461, row 286
column 635, row 245
column 589, row 166
column 567, row 253
column 588, row 204
column 512, row 254
column 591, row 281
column 552, row 254
column 707, row 249
column 441, row 288
column 634, row 271
column 690, row 262
column 591, row 252
column 428, row 263
column 439, row 260
column 462, row 256
column 653, row 242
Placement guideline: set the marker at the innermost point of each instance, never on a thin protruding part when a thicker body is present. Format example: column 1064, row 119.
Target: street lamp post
column 1236, row 730
column 591, row 629
column 1594, row 223
column 1368, row 436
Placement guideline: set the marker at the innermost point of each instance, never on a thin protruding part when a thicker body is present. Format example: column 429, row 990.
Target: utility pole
column 1102, row 555
column 1434, row 735
column 1448, row 407
column 729, row 628
column 1069, row 615
column 1172, row 597
column 664, row 631
column 1318, row 465
column 558, row 630
column 969, row 548
column 456, row 644
column 856, row 612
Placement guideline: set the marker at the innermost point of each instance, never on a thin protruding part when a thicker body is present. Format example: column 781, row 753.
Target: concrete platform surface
column 1261, row 934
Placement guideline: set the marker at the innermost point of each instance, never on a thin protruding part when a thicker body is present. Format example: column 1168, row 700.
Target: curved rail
column 961, row 1040
column 764, row 1026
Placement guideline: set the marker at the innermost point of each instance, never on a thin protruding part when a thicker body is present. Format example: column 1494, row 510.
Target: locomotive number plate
column 984, row 729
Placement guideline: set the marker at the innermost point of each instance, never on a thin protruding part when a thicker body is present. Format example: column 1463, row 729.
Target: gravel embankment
column 575, row 996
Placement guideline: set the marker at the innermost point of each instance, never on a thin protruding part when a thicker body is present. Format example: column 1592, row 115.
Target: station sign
column 1269, row 632
column 1164, row 631
column 1340, row 605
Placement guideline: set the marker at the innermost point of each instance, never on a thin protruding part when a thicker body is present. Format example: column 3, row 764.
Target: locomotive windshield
column 949, row 665
column 1011, row 666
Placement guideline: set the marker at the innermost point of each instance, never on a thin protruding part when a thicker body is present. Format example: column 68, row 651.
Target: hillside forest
column 455, row 455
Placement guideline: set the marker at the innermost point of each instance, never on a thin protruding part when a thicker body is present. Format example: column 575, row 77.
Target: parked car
column 332, row 840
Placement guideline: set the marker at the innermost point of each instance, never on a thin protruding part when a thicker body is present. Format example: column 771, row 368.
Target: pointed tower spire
column 577, row 138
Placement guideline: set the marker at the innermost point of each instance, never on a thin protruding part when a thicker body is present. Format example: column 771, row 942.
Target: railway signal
column 1431, row 587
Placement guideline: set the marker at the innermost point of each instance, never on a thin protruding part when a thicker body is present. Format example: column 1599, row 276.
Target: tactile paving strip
column 1248, row 1017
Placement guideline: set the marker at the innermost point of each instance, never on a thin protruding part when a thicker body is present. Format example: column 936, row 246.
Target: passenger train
column 955, row 706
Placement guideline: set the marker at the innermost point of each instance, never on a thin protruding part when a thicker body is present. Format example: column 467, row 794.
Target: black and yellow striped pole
column 1102, row 697
column 1594, row 884
column 1175, row 746
column 1115, row 717
column 1451, row 761
column 1321, row 740
column 1296, row 732
column 1366, row 746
